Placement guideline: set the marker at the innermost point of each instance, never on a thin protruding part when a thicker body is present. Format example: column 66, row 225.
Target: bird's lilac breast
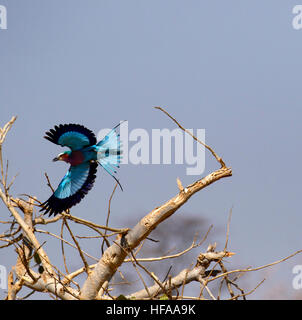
column 75, row 158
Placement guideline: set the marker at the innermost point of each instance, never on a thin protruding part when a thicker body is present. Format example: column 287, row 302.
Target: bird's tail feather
column 109, row 153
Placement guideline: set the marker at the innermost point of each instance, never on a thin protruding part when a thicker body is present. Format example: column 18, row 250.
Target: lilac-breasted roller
column 84, row 157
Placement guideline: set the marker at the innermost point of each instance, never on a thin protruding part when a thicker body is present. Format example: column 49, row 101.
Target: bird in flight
column 84, row 156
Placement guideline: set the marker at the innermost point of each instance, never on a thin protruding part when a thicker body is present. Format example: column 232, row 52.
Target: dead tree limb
column 185, row 276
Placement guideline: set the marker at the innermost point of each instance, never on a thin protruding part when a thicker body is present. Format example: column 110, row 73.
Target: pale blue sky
column 231, row 67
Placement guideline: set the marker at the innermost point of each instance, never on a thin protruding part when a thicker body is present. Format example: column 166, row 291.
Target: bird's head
column 62, row 156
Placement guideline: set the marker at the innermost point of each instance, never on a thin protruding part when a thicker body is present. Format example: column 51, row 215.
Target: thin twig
column 89, row 223
column 228, row 230
column 62, row 246
column 108, row 215
column 257, row 268
column 78, row 246
column 219, row 159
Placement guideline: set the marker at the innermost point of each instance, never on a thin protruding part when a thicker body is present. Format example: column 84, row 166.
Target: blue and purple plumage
column 84, row 156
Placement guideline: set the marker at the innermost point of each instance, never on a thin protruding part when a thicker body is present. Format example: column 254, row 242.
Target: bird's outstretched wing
column 73, row 187
column 74, row 136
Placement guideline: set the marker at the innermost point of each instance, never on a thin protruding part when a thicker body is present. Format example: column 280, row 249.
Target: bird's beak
column 56, row 159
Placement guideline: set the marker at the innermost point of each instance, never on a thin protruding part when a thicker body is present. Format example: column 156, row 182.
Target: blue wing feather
column 74, row 136
column 73, row 180
column 73, row 187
